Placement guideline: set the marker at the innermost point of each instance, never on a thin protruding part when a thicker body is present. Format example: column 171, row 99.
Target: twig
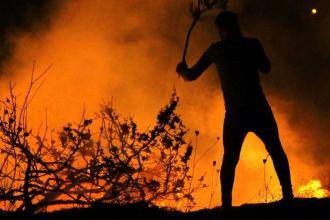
column 202, row 7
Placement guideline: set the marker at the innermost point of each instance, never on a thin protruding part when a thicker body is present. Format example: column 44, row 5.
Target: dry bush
column 105, row 159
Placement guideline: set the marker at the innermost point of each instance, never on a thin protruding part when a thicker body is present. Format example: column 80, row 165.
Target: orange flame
column 312, row 189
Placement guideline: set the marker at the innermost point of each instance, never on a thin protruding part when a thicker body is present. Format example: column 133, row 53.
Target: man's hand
column 181, row 68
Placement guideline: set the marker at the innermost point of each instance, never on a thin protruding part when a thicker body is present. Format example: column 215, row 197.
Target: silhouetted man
column 238, row 60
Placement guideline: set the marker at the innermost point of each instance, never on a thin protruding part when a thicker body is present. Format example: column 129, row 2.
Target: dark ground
column 315, row 209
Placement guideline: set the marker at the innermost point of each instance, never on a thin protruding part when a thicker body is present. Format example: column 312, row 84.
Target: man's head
column 227, row 24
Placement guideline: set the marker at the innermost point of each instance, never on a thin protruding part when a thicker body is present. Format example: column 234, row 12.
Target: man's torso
column 237, row 65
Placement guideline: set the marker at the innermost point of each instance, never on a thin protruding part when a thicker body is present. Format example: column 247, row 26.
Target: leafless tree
column 104, row 159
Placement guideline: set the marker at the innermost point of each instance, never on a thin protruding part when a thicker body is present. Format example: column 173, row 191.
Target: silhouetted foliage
column 105, row 159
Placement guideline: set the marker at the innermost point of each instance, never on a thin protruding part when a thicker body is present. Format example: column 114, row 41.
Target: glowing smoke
column 128, row 50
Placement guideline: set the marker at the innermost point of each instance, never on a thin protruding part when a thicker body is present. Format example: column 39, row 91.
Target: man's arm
column 189, row 74
column 263, row 62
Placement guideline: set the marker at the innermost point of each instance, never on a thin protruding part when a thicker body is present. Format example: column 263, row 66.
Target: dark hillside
column 315, row 209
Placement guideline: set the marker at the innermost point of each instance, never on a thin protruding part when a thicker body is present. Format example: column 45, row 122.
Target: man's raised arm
column 189, row 74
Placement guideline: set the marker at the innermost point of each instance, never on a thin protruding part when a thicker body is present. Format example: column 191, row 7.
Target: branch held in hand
column 196, row 12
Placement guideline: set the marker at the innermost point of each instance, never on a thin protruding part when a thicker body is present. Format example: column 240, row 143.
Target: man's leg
column 267, row 131
column 233, row 136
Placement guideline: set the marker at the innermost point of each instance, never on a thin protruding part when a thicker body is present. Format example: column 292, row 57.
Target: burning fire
column 312, row 189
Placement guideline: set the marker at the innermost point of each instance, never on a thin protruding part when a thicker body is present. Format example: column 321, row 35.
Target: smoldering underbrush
column 104, row 159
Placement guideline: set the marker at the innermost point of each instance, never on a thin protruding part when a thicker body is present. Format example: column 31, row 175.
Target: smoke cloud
column 128, row 50
column 19, row 16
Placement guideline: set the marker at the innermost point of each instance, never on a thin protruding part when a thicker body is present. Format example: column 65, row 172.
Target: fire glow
column 95, row 58
column 313, row 189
